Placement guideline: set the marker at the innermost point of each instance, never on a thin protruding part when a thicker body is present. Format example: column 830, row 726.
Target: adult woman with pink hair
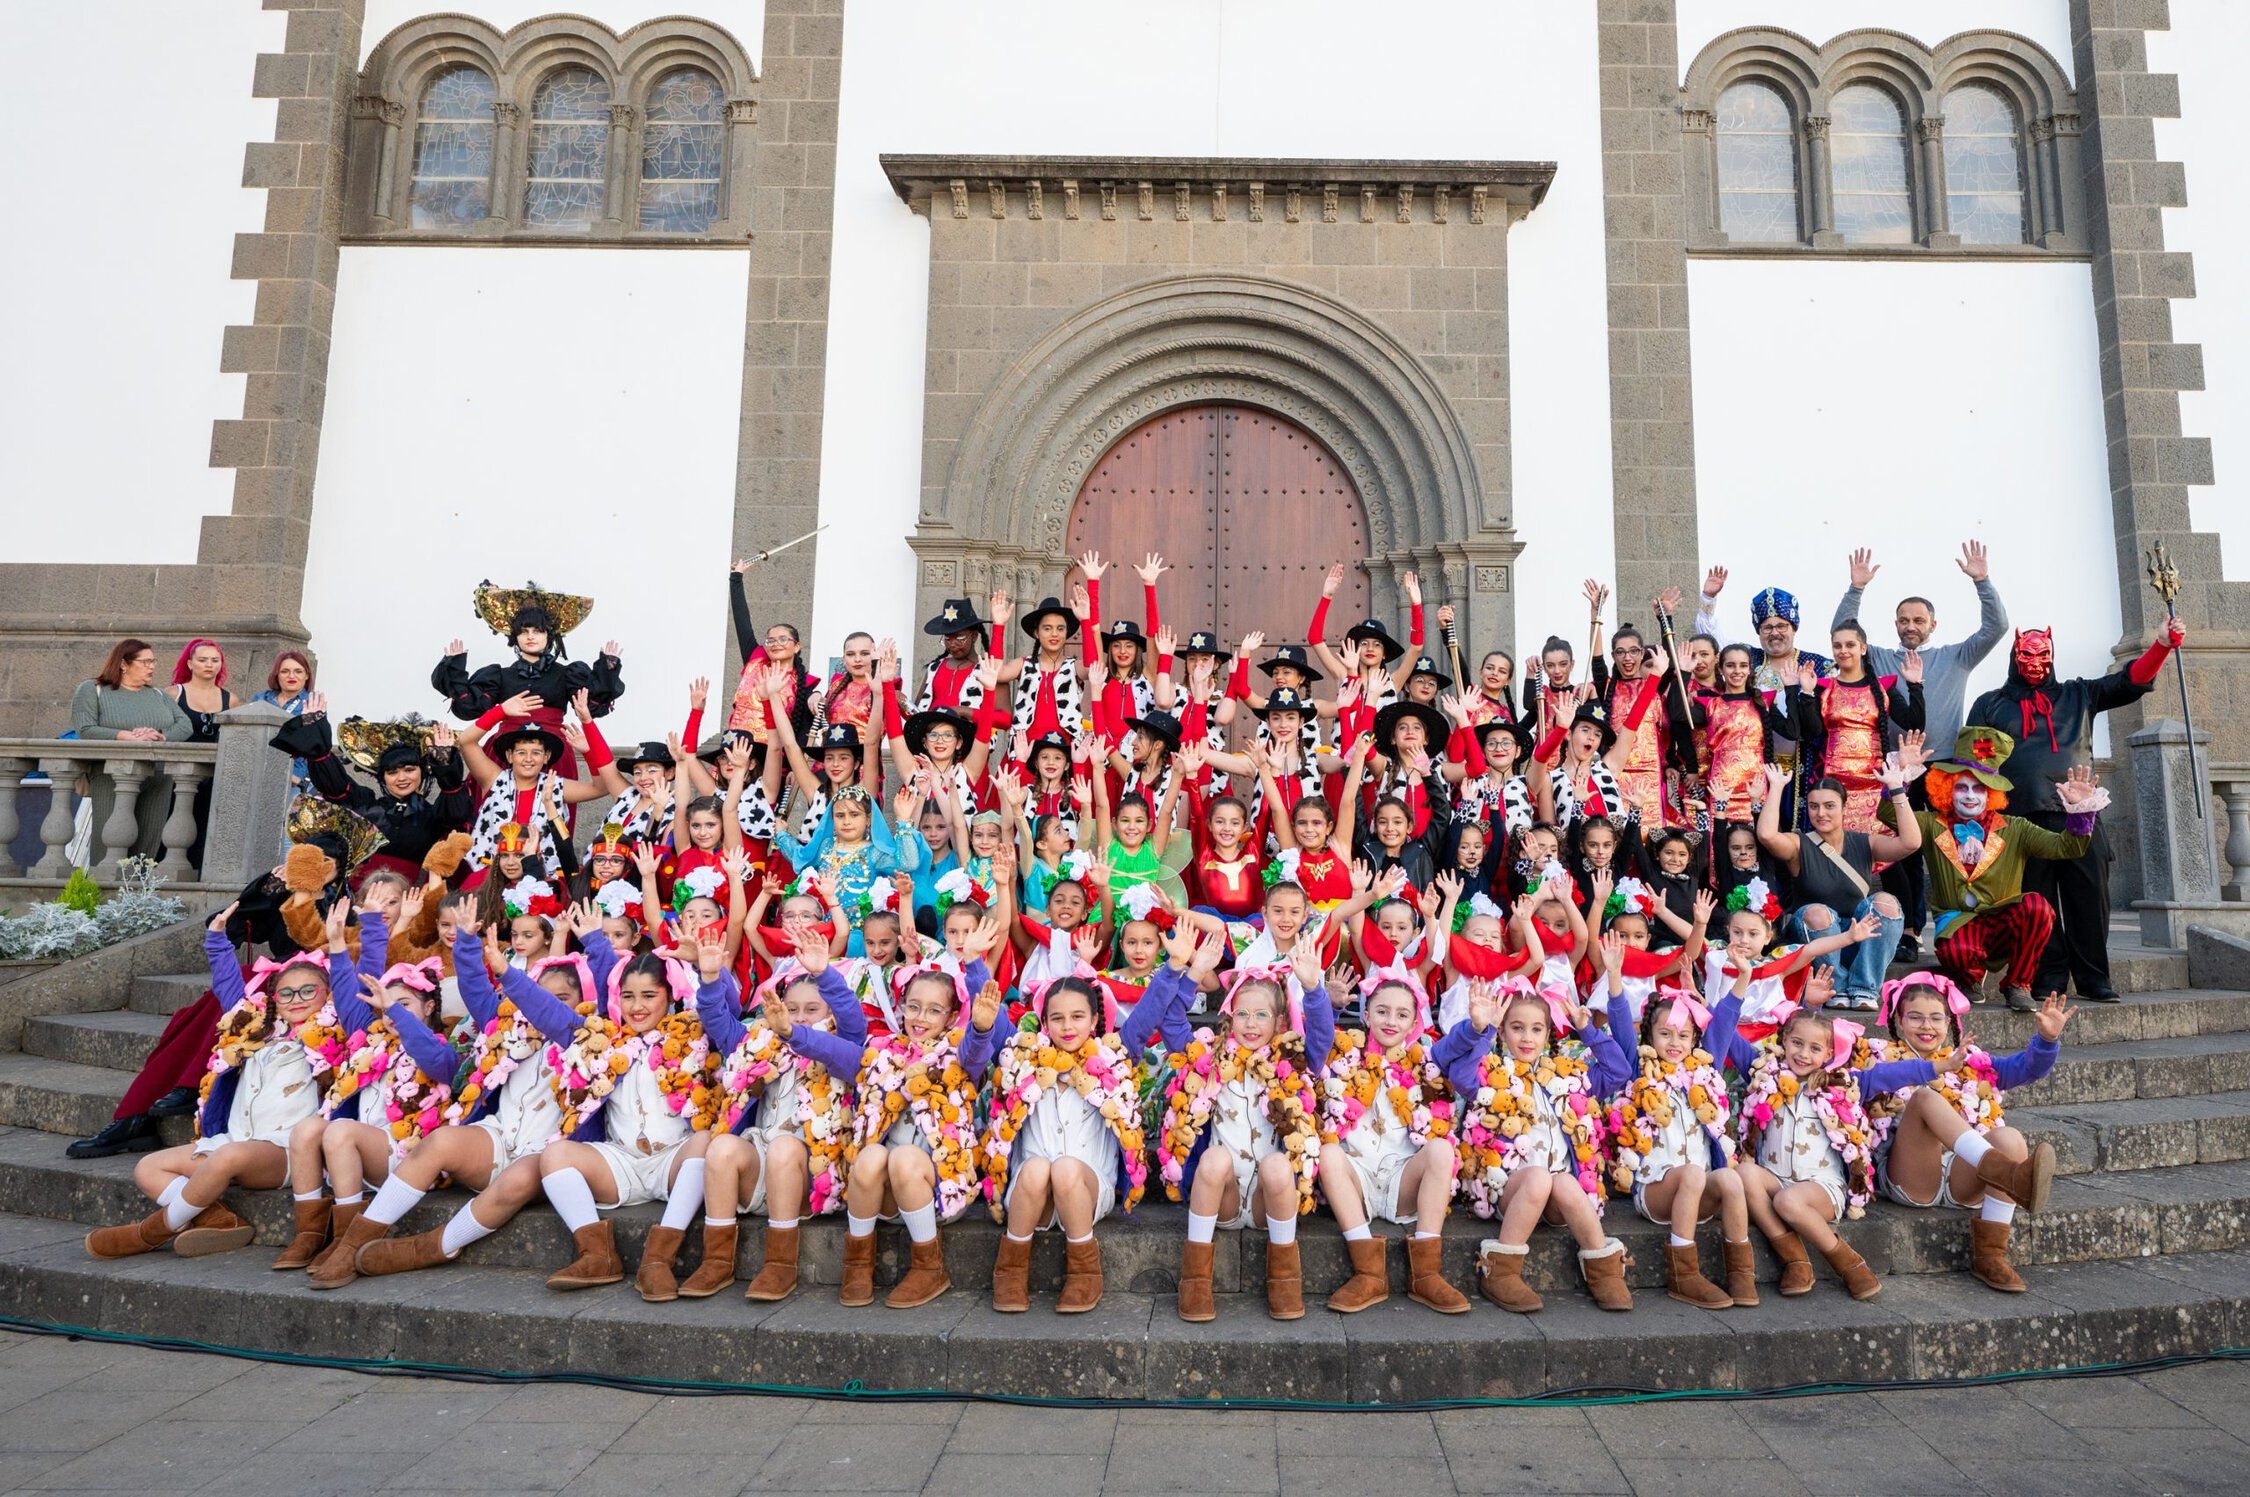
column 199, row 679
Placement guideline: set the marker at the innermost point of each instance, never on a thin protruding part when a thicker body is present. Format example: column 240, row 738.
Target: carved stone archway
column 995, row 514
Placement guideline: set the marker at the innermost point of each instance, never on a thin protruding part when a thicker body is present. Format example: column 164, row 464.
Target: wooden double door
column 1248, row 508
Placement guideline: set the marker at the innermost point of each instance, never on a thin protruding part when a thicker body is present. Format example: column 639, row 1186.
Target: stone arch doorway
column 1247, row 507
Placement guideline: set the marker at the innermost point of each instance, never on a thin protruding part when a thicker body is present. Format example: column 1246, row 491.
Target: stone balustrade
column 2173, row 784
column 2230, row 789
column 243, row 832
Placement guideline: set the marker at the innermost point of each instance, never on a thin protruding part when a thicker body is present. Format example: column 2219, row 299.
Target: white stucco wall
column 2209, row 47
column 564, row 415
column 1207, row 77
column 2046, row 22
column 108, row 324
column 1906, row 407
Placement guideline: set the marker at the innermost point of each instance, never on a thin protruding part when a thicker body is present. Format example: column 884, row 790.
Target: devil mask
column 2035, row 655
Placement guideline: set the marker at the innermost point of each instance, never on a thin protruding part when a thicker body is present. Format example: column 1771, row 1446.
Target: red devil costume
column 2052, row 723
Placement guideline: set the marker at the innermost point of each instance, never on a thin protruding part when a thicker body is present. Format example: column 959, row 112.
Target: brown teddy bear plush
column 417, row 940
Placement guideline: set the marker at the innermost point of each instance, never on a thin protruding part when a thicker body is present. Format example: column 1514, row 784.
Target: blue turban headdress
column 1773, row 601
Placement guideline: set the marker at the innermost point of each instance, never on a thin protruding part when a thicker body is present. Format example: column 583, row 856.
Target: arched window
column 1867, row 141
column 683, row 152
column 566, row 160
column 453, row 150
column 1757, row 165
column 1984, row 166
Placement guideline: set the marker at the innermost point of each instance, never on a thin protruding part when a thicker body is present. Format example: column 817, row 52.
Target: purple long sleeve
column 2028, row 1064
column 718, row 1007
column 1320, row 1027
column 472, row 980
column 1611, row 1071
column 1460, row 1054
column 1149, row 1014
column 601, row 956
column 1887, row 1076
column 226, row 972
column 851, row 1019
column 433, row 1057
column 353, row 1012
column 838, row 1056
column 1721, row 1041
column 552, row 1017
column 977, row 1046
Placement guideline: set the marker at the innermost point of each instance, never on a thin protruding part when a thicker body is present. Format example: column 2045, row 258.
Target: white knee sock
column 1679, row 1241
column 857, row 1226
column 1971, row 1147
column 178, row 1213
column 710, row 1221
column 1012, row 1237
column 1202, row 1228
column 1996, row 1210
column 686, row 1198
column 1089, row 1237
column 393, row 1201
column 1283, row 1232
column 311, row 1195
column 776, row 1224
column 351, row 1200
column 1359, row 1233
column 572, row 1197
column 921, row 1221
column 171, row 1192
column 460, row 1231
column 1421, row 1236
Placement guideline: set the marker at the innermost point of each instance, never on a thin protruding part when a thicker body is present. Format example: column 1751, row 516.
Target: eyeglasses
column 298, row 995
column 777, row 638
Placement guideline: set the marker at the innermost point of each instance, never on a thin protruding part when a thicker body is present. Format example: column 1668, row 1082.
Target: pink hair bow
column 1036, row 993
column 944, row 964
column 265, row 967
column 785, row 972
column 678, row 976
column 1280, row 975
column 1397, row 971
column 1843, row 1034
column 421, row 976
column 579, row 966
column 1894, row 993
column 1689, row 1001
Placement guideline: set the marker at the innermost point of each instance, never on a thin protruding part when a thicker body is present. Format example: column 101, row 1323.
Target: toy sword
column 2165, row 578
column 772, row 551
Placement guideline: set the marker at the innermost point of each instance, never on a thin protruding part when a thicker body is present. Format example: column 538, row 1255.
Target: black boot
column 135, row 1135
column 176, row 1103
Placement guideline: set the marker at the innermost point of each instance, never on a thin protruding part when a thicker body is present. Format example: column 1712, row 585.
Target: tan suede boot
column 1859, row 1281
column 1684, row 1281
column 1195, row 1282
column 1011, row 1276
column 340, row 1264
column 1425, row 1279
column 597, row 1262
column 655, row 1278
column 1988, row 1256
column 1604, row 1271
column 2024, row 1181
column 128, row 1239
column 1285, row 1282
column 925, row 1277
column 1082, row 1277
column 339, row 1220
column 1500, row 1277
column 1742, row 1282
column 380, row 1255
column 1370, row 1283
column 217, row 1230
column 1796, row 1268
column 776, row 1278
column 311, row 1237
column 716, row 1271
column 859, row 1271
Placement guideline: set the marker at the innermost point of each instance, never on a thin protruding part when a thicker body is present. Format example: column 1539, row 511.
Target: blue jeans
column 1859, row 968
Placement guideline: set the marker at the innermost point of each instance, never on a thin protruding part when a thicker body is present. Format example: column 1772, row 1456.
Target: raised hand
column 1484, row 1006
column 455, row 647
column 1152, row 567
column 886, row 660
column 333, row 923
column 1911, row 755
column 1910, row 667
column 812, row 952
column 1000, row 604
column 1790, row 672
column 1328, row 584
column 2078, row 788
column 1613, row 952
column 575, row 735
column 1604, row 883
column 1092, row 565
column 410, row 904
column 1445, row 616
column 219, row 921
column 1164, row 639
column 984, row 937
column 742, row 566
column 1657, row 661
column 644, row 858
column 1776, row 778
column 1865, row 928
column 1668, row 601
column 1706, row 905
column 442, row 739
column 1448, row 885
column 610, row 648
column 1086, row 943
column 1975, row 562
column 522, row 704
column 1713, row 581
column 986, row 1008
column 1820, row 986
column 1413, row 586
column 1180, row 944
column 1863, row 567
column 2051, row 1018
column 1081, row 601
column 1304, row 960
column 776, row 1015
column 1596, row 596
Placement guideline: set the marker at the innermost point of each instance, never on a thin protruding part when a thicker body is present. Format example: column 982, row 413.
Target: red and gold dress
column 1734, row 743
column 1852, row 716
column 1642, row 778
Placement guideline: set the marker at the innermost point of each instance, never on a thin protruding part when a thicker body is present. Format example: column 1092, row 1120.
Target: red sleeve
column 1194, row 722
column 1090, row 631
column 1319, row 621
column 1193, row 795
column 1238, row 684
column 692, row 730
column 989, row 720
column 1417, row 798
column 1641, row 704
column 2143, row 671
column 999, row 640
column 1549, row 745
column 1414, row 627
column 1148, row 595
column 1465, row 750
column 1353, row 724
column 894, row 721
column 597, row 747
column 491, row 717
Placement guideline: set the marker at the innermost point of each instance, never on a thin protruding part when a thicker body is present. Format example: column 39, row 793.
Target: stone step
column 2137, row 1135
column 63, row 1097
column 2182, row 1066
column 2170, row 1014
column 1133, row 1346
column 2134, row 968
column 119, row 1040
column 165, row 996
column 2120, row 1215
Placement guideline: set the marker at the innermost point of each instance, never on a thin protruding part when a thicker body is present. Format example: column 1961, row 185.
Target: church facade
column 1502, row 295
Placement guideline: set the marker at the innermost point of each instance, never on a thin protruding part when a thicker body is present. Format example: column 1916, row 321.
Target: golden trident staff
column 2165, row 578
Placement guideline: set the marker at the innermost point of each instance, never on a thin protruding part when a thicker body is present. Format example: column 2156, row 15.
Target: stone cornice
column 1148, row 187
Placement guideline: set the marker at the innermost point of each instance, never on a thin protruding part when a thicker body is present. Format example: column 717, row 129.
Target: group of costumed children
column 761, row 989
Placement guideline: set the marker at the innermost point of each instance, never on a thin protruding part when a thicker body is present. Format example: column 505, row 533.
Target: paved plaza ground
column 91, row 1417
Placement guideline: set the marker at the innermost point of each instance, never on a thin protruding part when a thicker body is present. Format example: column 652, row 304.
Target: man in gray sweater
column 1945, row 682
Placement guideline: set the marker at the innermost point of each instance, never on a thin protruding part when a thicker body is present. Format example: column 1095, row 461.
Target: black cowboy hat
column 1598, row 715
column 1157, row 724
column 1374, row 629
column 1047, row 605
column 1125, row 629
column 955, row 616
column 1048, row 740
column 1425, row 666
column 1294, row 655
column 1204, row 642
column 710, row 749
column 1434, row 727
column 514, row 731
column 917, row 730
column 1287, row 699
column 1515, row 730
column 837, row 736
column 649, row 752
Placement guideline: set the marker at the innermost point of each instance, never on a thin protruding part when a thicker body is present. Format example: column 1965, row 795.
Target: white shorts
column 640, row 1177
column 905, row 1135
column 218, row 1141
column 1892, row 1190
column 1378, row 1187
column 1105, row 1189
column 501, row 1158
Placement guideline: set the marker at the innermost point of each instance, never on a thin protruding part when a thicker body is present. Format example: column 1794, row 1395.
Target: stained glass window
column 566, row 158
column 683, row 152
column 1984, row 166
column 1867, row 146
column 453, row 151
column 1757, row 165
